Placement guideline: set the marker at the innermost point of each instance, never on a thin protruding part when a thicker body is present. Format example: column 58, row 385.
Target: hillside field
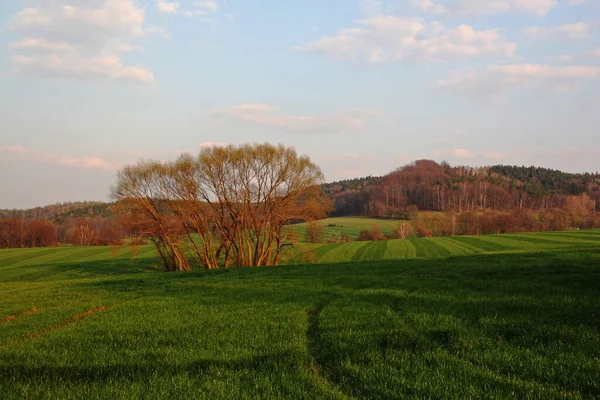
column 441, row 247
column 350, row 226
column 100, row 322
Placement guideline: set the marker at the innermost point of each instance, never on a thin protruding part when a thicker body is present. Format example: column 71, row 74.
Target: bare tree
column 40, row 233
column 403, row 231
column 229, row 203
column 140, row 191
column 12, row 232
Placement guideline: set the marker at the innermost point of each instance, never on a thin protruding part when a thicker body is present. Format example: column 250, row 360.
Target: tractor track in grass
column 54, row 328
column 315, row 346
column 64, row 324
column 18, row 315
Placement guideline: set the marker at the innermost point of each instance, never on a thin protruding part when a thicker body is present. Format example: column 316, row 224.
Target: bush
column 376, row 233
column 314, row 232
column 372, row 235
column 423, row 232
column 364, row 236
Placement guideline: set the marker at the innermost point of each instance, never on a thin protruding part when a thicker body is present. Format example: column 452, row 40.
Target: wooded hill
column 428, row 186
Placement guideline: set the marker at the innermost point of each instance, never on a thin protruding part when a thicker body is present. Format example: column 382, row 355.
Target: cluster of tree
column 16, row 232
column 349, row 185
column 427, row 185
column 98, row 231
column 544, row 180
column 227, row 206
column 578, row 214
column 404, row 230
column 428, row 224
column 60, row 213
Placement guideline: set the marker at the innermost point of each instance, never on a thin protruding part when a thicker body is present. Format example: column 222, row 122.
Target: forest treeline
column 496, row 199
column 60, row 213
column 428, row 186
column 82, row 223
column 94, row 231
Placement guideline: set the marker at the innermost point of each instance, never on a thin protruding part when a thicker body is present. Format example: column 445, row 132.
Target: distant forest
column 61, row 212
column 428, row 186
column 551, row 200
column 88, row 223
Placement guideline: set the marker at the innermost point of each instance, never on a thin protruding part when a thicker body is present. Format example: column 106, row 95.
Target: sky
column 361, row 86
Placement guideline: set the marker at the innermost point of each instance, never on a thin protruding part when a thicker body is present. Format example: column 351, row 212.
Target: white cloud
column 21, row 152
column 575, row 31
column 536, row 7
column 497, row 78
column 78, row 39
column 157, row 30
column 209, row 5
column 92, row 24
column 108, row 67
column 126, row 48
column 272, row 117
column 42, row 45
column 199, row 8
column 486, row 7
column 429, row 6
column 391, row 38
column 169, row 7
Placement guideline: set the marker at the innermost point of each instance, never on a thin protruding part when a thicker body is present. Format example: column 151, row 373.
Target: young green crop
column 102, row 323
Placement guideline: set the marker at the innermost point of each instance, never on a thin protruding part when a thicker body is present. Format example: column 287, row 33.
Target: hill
column 427, row 185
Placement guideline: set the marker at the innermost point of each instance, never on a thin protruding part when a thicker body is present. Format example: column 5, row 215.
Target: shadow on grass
column 269, row 363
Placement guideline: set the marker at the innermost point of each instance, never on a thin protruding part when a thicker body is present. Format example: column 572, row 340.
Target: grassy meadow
column 350, row 226
column 440, row 247
column 511, row 316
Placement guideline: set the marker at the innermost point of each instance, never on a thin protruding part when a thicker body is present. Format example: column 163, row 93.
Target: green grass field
column 350, row 226
column 441, row 247
column 513, row 316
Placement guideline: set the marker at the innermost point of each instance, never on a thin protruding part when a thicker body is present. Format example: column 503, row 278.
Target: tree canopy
column 227, row 206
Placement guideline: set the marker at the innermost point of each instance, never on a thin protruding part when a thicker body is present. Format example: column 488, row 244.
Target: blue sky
column 362, row 86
